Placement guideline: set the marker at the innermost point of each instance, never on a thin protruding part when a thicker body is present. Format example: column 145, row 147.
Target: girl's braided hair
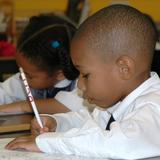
column 45, row 42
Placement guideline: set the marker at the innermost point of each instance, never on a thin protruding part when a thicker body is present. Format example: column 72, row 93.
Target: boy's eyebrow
column 26, row 73
column 79, row 66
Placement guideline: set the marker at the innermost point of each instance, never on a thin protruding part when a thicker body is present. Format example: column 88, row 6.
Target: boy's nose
column 80, row 84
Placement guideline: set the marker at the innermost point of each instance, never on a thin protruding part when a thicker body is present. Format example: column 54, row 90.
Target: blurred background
column 14, row 14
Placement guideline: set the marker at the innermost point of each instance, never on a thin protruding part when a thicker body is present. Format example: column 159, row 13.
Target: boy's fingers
column 34, row 123
column 15, row 145
column 19, row 139
column 35, row 128
column 10, row 144
column 44, row 129
column 49, row 125
column 35, row 131
column 39, row 131
column 24, row 143
column 23, row 146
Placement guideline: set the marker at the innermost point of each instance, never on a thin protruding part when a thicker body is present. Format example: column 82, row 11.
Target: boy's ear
column 126, row 67
column 60, row 75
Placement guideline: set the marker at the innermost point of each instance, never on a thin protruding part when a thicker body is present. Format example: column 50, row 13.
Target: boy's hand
column 49, row 125
column 23, row 143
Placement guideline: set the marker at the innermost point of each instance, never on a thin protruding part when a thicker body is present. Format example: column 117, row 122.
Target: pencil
column 30, row 97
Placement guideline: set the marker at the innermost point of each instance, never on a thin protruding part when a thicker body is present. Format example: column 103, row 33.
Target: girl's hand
column 49, row 125
column 23, row 143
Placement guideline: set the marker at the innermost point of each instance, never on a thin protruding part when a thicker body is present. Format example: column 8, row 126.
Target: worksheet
column 23, row 155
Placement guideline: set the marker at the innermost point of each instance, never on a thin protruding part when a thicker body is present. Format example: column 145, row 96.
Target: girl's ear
column 126, row 67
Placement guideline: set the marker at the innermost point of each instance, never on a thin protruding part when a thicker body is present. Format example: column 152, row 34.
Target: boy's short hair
column 119, row 29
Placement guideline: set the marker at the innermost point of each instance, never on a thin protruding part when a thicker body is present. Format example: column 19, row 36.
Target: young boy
column 113, row 51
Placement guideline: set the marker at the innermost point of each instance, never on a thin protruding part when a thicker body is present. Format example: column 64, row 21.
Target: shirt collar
column 119, row 109
column 62, row 83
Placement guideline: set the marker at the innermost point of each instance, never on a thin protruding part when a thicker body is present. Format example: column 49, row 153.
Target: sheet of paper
column 23, row 155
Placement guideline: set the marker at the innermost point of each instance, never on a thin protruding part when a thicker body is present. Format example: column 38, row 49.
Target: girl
column 43, row 53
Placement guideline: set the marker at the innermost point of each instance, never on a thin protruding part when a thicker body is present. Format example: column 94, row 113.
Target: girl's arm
column 63, row 102
column 48, row 106
column 9, row 88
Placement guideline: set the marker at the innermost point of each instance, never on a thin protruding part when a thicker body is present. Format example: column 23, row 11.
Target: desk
column 14, row 125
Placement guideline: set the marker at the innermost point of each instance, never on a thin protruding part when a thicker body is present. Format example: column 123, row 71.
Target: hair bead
column 55, row 44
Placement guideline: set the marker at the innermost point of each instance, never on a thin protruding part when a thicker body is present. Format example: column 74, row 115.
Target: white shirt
column 12, row 90
column 135, row 133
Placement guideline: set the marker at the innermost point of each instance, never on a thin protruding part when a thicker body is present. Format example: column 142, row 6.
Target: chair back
column 8, row 67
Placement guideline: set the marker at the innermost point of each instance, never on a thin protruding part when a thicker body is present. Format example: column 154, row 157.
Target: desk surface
column 10, row 124
column 22, row 155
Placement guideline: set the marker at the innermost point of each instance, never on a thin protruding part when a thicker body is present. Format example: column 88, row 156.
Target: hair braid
column 69, row 70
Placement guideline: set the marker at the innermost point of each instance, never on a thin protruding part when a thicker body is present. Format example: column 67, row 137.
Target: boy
column 113, row 51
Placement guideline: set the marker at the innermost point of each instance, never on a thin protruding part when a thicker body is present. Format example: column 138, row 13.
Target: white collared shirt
column 12, row 90
column 134, row 134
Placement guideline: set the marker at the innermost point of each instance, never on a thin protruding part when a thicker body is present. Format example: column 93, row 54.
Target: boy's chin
column 94, row 104
column 102, row 105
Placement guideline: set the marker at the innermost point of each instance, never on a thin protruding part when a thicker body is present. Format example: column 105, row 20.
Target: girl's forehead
column 25, row 63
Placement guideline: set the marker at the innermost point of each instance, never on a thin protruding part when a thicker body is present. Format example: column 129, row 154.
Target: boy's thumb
column 44, row 129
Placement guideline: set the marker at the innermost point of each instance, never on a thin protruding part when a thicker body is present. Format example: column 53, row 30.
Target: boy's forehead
column 78, row 51
column 83, row 55
column 81, row 47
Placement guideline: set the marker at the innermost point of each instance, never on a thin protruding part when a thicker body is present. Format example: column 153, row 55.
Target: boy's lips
column 90, row 100
column 86, row 97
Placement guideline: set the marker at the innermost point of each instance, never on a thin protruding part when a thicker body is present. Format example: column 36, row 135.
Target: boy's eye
column 85, row 75
column 28, row 76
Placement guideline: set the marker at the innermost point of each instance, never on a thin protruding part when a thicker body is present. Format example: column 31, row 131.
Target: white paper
column 23, row 155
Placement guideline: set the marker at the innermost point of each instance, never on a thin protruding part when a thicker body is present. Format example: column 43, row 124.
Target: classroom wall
column 25, row 8
column 30, row 7
column 151, row 7
column 19, row 11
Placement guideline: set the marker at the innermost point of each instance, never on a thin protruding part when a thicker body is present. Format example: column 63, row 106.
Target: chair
column 8, row 67
column 156, row 62
column 77, row 10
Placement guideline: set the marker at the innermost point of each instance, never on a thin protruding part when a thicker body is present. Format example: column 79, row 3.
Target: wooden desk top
column 14, row 123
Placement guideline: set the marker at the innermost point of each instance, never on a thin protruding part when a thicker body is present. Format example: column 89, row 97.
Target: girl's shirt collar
column 62, row 83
